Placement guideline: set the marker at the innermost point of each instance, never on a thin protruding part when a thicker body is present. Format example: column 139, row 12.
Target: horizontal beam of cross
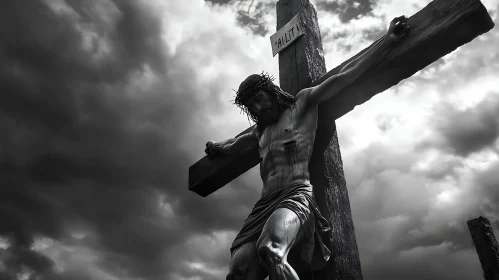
column 436, row 30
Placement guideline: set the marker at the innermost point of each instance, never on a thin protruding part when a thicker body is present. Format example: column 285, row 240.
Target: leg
column 245, row 264
column 281, row 231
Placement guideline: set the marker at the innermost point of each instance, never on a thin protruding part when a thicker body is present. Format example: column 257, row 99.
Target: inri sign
column 286, row 35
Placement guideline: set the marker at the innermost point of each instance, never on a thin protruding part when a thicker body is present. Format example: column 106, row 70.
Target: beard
column 269, row 118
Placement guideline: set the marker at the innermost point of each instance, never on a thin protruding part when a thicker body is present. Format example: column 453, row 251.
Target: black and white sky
column 106, row 103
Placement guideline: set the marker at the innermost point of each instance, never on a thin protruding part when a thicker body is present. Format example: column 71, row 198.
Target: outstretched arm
column 231, row 146
column 351, row 71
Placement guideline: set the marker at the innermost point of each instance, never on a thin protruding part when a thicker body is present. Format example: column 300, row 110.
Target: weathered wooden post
column 301, row 64
column 486, row 246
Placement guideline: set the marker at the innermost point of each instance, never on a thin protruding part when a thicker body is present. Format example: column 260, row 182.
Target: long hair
column 265, row 82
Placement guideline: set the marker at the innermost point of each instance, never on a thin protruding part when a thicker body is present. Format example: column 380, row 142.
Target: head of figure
column 262, row 100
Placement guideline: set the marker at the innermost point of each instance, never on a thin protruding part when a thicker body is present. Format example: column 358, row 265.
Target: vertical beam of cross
column 300, row 65
column 486, row 246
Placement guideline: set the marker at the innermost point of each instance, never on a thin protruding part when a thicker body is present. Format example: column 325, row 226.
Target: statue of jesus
column 287, row 215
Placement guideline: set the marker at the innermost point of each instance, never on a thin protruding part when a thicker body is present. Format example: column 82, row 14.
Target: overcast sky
column 106, row 103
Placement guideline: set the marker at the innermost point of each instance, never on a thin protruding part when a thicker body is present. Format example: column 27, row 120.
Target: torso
column 286, row 147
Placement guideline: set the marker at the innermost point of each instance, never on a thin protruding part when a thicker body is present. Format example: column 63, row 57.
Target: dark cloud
column 347, row 10
column 19, row 258
column 219, row 2
column 443, row 168
column 464, row 132
column 98, row 128
column 254, row 20
column 69, row 150
column 488, row 187
column 250, row 13
column 385, row 123
column 425, row 263
column 89, row 146
column 401, row 227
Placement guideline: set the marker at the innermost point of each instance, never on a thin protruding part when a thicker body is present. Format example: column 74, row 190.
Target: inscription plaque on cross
column 436, row 30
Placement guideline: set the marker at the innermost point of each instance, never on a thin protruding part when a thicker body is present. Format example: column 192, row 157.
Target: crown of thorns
column 250, row 85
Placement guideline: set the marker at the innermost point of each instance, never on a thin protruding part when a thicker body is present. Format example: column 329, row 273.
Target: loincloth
column 299, row 199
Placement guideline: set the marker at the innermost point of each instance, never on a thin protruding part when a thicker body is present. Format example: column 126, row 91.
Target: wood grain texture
column 486, row 246
column 300, row 65
column 436, row 30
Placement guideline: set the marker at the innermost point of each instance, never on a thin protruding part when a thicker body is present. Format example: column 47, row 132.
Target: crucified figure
column 287, row 215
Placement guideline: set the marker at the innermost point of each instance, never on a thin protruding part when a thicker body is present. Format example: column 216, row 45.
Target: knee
column 232, row 276
column 238, row 271
column 270, row 252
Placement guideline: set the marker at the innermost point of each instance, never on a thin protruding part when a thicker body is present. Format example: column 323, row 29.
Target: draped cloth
column 315, row 247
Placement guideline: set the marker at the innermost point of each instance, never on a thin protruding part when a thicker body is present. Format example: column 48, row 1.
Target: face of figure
column 264, row 105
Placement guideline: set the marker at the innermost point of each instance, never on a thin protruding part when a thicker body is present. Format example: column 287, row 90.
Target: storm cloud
column 90, row 129
column 105, row 104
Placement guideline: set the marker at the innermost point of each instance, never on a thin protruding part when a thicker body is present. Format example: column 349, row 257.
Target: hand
column 212, row 149
column 398, row 28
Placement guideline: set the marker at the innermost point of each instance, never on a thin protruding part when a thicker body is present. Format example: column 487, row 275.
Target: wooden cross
column 436, row 30
column 486, row 246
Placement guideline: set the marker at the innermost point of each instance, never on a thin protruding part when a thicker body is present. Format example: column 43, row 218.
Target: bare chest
column 294, row 128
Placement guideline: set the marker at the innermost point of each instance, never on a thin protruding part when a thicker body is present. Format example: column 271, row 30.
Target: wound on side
column 291, row 150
